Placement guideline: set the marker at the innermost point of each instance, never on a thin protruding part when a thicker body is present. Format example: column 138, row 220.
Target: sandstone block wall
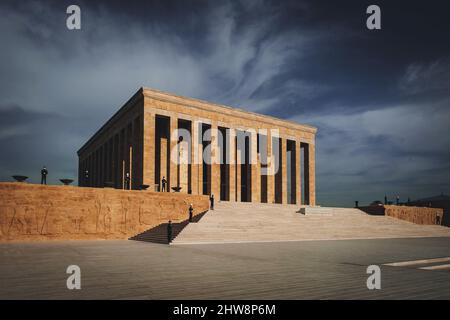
column 419, row 215
column 31, row 212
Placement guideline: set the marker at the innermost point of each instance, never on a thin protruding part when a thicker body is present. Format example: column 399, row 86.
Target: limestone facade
column 202, row 148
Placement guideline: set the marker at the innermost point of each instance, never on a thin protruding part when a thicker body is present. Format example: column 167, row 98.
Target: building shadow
column 158, row 234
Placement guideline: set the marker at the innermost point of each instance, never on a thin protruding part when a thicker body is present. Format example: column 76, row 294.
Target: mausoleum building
column 201, row 148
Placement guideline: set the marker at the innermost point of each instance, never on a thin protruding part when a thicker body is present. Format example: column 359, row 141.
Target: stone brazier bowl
column 66, row 182
column 20, row 178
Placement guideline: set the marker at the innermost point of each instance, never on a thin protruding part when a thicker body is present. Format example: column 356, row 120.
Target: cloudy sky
column 380, row 98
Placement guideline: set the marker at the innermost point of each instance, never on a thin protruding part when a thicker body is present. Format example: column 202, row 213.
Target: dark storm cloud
column 31, row 139
column 379, row 98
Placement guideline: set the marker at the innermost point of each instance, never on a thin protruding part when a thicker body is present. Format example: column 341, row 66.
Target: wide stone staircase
column 249, row 222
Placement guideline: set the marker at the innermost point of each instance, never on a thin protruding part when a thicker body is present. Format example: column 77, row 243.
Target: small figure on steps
column 169, row 232
column 191, row 211
column 211, row 200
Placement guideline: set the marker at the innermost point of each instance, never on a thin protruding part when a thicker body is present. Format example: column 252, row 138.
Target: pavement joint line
column 175, row 243
column 417, row 262
column 438, row 267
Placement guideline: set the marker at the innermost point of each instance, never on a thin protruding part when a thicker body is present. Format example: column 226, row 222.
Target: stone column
column 80, row 166
column 126, row 155
column 97, row 167
column 270, row 170
column 173, row 180
column 163, row 170
column 88, row 166
column 97, row 164
column 215, row 162
column 232, row 163
column 111, row 160
column 114, row 161
column 122, row 158
column 135, row 155
column 116, row 157
column 92, row 172
column 148, row 166
column 255, row 168
column 130, row 152
column 238, row 170
column 183, row 167
column 94, row 169
column 130, row 163
column 283, row 151
column 200, row 163
column 105, row 162
column 312, row 173
column 195, row 158
column 298, row 167
column 100, row 165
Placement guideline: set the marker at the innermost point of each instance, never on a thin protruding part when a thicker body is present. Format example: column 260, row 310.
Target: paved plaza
column 278, row 270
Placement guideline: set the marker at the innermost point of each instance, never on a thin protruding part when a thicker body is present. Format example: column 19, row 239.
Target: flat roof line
column 206, row 103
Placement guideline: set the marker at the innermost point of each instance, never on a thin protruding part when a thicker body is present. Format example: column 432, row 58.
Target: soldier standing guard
column 127, row 181
column 211, row 200
column 44, row 173
column 191, row 211
column 163, row 184
column 86, row 177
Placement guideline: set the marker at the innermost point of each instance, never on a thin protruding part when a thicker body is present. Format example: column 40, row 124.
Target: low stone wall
column 34, row 212
column 373, row 210
column 418, row 215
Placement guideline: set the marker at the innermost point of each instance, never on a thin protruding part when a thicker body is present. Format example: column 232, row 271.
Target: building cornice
column 233, row 111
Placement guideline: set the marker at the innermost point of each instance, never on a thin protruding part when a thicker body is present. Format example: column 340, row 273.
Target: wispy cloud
column 420, row 78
